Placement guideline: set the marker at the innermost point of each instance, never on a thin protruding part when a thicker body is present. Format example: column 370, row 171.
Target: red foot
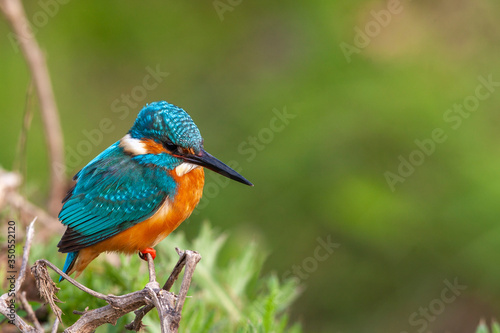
column 152, row 252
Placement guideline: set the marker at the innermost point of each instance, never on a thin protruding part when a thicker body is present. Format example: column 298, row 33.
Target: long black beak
column 208, row 161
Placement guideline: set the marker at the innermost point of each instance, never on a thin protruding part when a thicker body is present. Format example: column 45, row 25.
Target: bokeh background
column 358, row 103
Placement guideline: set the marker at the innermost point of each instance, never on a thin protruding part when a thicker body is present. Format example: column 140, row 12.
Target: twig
column 14, row 12
column 151, row 268
column 27, row 307
column 109, row 314
column 14, row 317
column 164, row 302
column 192, row 259
column 168, row 305
column 136, row 325
column 176, row 271
column 185, row 256
column 30, row 231
column 7, row 298
column 55, row 326
column 43, row 262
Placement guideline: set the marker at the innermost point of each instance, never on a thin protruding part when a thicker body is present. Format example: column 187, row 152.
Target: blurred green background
column 355, row 118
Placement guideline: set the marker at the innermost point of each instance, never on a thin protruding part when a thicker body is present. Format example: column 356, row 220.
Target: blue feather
column 113, row 193
column 70, row 261
column 167, row 122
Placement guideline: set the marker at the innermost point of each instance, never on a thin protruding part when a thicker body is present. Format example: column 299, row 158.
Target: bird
column 138, row 190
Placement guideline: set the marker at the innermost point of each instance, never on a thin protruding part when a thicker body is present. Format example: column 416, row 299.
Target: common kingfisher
column 137, row 191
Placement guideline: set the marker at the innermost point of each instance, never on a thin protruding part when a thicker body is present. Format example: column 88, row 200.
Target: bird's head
column 167, row 132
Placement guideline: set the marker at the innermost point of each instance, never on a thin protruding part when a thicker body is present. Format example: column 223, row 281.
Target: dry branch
column 29, row 310
column 191, row 258
column 30, row 232
column 8, row 298
column 14, row 12
column 168, row 305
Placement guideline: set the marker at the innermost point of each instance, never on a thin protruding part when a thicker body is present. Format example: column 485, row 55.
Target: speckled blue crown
column 163, row 122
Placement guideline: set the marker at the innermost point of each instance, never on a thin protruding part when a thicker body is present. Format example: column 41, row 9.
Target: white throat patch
column 133, row 146
column 184, row 168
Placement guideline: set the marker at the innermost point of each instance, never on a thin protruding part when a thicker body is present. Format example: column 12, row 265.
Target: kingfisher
column 137, row 191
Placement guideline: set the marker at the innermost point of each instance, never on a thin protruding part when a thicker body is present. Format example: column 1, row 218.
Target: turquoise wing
column 112, row 193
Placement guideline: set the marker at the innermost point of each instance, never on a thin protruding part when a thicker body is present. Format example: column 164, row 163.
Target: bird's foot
column 151, row 251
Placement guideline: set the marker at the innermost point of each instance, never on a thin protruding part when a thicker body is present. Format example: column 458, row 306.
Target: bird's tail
column 69, row 263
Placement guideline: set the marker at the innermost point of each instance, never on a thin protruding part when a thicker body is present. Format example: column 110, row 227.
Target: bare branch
column 7, row 299
column 55, row 326
column 136, row 325
column 31, row 314
column 14, row 317
column 176, row 271
column 164, row 302
column 168, row 305
column 42, row 262
column 109, row 314
column 30, row 232
column 194, row 258
column 14, row 12
column 151, row 268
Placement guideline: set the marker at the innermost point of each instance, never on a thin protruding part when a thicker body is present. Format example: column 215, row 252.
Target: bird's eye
column 170, row 146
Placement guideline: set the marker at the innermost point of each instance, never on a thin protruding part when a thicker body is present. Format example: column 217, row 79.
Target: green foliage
column 483, row 328
column 224, row 297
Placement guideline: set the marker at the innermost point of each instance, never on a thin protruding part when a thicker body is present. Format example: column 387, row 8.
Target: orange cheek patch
column 154, row 147
column 188, row 151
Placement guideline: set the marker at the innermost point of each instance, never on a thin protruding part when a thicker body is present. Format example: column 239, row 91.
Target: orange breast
column 151, row 231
